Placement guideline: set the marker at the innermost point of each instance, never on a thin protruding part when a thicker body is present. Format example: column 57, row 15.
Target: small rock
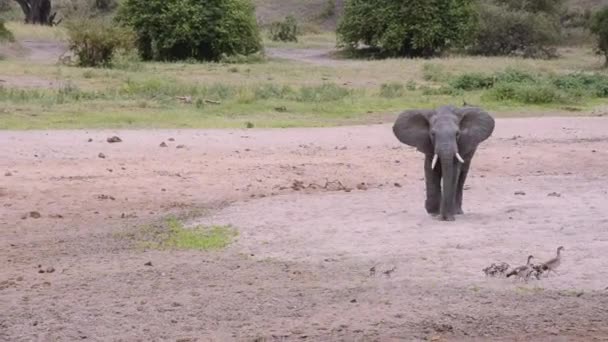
column 114, row 139
column 520, row 193
column 40, row 271
column 171, row 139
column 180, row 146
column 554, row 194
column 249, row 125
column 34, row 214
column 90, row 140
column 8, row 174
column 50, row 269
column 281, row 109
column 362, row 186
column 397, row 185
column 163, row 144
column 149, row 263
column 353, row 300
column 101, row 155
column 593, row 151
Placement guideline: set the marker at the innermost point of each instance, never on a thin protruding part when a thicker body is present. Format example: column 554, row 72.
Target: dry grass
column 36, row 32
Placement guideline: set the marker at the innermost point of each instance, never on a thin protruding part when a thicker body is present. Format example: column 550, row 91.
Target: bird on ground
column 496, row 269
column 521, row 271
column 553, row 264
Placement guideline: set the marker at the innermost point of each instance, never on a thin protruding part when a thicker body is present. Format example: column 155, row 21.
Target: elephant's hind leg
column 433, row 186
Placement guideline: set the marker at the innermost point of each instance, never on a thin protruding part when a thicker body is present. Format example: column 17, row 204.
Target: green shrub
column 599, row 27
column 329, row 10
column 433, row 72
column 94, row 41
column 183, row 29
column 406, row 27
column 392, row 90
column 5, row 34
column 528, row 93
column 505, row 31
column 284, row 31
column 515, row 75
column 472, row 81
column 590, row 84
column 126, row 59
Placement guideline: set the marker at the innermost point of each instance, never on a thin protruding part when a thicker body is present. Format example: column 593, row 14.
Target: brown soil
column 309, row 233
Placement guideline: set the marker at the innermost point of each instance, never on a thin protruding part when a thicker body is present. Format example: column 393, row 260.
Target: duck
column 553, row 264
column 522, row 271
column 496, row 269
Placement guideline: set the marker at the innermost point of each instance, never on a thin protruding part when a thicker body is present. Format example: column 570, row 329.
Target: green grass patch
column 172, row 234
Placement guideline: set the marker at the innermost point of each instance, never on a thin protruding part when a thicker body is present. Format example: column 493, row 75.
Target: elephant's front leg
column 464, row 171
column 433, row 185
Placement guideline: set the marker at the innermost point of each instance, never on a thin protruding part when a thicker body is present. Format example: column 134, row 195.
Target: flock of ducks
column 527, row 271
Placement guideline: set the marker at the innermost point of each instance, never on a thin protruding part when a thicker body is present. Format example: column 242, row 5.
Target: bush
column 94, row 41
column 406, row 27
column 5, row 5
column 599, row 27
column 502, row 31
column 183, row 29
column 528, row 93
column 472, row 81
column 392, row 90
column 5, row 34
column 284, row 31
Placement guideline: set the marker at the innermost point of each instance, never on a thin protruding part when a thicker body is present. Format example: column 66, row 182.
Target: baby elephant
column 448, row 137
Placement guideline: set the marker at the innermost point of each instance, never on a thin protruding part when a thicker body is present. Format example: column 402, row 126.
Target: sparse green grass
column 173, row 235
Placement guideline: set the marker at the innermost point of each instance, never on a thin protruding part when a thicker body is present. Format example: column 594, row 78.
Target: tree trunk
column 37, row 11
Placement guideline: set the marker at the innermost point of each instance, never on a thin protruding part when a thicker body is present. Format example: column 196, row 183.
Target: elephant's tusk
column 435, row 159
column 459, row 157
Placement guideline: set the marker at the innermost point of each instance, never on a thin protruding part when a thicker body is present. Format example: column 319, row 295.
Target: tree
column 37, row 12
column 406, row 27
column 504, row 31
column 599, row 27
column 199, row 29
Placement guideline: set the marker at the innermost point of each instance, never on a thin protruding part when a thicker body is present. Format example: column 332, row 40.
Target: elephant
column 448, row 136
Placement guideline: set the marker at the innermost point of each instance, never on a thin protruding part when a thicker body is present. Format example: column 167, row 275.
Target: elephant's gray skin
column 448, row 137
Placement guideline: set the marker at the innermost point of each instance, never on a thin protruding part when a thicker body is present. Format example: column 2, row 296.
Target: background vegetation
column 536, row 71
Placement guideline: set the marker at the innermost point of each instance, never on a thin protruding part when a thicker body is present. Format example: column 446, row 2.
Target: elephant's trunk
column 448, row 192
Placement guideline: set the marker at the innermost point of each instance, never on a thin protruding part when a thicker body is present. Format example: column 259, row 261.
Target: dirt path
column 310, row 56
column 300, row 269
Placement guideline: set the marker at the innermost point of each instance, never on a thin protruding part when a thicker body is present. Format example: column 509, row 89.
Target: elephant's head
column 450, row 135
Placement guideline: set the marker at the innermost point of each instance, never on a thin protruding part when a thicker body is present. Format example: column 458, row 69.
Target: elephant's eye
column 457, row 135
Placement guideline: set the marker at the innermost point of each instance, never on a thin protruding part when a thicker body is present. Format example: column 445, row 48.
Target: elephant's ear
column 412, row 128
column 475, row 126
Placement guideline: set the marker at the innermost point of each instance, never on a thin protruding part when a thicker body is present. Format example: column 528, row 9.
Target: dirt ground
column 300, row 268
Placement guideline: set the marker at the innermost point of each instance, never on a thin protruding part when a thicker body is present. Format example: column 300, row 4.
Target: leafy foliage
column 183, row 29
column 513, row 30
column 599, row 26
column 95, row 41
column 284, row 31
column 5, row 34
column 524, row 87
column 406, row 27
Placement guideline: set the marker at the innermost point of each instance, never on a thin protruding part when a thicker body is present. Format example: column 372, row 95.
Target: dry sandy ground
column 300, row 268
